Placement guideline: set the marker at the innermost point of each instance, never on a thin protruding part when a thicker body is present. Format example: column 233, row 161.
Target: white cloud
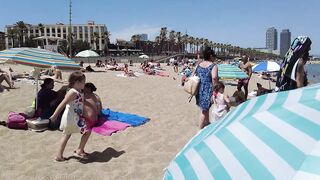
column 126, row 33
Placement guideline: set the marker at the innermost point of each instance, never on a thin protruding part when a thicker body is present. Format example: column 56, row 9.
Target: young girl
column 221, row 101
column 72, row 120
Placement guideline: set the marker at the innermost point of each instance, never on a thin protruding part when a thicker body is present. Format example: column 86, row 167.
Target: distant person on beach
column 47, row 97
column 92, row 105
column 175, row 66
column 221, row 102
column 72, row 120
column 247, row 68
column 239, row 96
column 128, row 72
column 207, row 71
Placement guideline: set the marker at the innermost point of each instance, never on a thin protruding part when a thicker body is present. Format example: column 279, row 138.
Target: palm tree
column 22, row 30
column 40, row 28
column 12, row 34
column 95, row 37
column 178, row 36
column 106, row 37
column 172, row 37
column 163, row 37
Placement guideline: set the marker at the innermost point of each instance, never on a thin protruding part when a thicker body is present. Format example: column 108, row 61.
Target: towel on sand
column 132, row 119
column 107, row 127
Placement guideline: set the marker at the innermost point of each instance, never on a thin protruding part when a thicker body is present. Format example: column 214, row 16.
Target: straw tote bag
column 191, row 86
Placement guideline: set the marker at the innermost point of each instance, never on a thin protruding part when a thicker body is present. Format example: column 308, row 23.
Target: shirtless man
column 247, row 68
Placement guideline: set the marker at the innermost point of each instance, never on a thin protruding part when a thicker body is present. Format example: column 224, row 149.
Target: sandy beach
column 137, row 153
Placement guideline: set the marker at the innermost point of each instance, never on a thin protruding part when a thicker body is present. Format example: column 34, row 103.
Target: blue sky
column 238, row 22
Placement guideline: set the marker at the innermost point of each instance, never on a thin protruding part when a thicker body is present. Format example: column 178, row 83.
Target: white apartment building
column 84, row 32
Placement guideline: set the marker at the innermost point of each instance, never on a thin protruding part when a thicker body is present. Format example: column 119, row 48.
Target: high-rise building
column 93, row 33
column 285, row 40
column 271, row 39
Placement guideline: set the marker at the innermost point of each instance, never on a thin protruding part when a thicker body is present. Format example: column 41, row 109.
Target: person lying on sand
column 128, row 72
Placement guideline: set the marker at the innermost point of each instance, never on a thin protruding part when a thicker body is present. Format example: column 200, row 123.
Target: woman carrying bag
column 207, row 71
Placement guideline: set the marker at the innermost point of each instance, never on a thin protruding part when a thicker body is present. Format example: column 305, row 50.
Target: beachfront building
column 94, row 34
column 272, row 38
column 2, row 41
column 285, row 40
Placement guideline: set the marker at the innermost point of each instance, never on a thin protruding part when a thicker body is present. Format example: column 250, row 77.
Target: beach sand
column 137, row 153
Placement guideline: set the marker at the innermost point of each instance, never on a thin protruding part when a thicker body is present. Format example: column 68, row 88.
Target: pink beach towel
column 109, row 127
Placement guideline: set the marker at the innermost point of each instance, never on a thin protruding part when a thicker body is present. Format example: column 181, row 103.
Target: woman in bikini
column 92, row 105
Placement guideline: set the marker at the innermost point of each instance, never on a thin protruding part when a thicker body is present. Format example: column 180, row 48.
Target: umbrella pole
column 269, row 83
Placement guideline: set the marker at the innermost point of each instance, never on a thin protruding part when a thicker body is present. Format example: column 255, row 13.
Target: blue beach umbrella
column 275, row 136
column 266, row 66
column 227, row 71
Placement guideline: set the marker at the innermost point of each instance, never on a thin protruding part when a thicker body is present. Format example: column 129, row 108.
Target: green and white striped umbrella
column 227, row 71
column 39, row 58
column 275, row 136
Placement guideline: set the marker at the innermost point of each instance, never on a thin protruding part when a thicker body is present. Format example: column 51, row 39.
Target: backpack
column 286, row 77
column 16, row 121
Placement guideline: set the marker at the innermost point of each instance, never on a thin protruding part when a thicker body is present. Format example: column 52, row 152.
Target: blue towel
column 132, row 119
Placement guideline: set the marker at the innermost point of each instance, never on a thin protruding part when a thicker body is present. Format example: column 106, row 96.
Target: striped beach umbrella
column 227, row 71
column 275, row 136
column 266, row 66
column 39, row 58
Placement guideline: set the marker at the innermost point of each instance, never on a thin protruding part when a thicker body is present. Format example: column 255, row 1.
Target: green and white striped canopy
column 227, row 71
column 275, row 136
column 37, row 58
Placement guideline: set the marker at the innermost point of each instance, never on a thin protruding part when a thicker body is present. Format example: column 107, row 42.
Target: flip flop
column 56, row 159
column 82, row 155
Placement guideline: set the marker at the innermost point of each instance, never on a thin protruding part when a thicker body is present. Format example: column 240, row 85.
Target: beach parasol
column 266, row 66
column 37, row 58
column 228, row 71
column 144, row 56
column 274, row 136
column 87, row 53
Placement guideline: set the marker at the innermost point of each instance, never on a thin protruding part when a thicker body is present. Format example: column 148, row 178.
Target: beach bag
column 191, row 86
column 286, row 77
column 38, row 125
column 16, row 121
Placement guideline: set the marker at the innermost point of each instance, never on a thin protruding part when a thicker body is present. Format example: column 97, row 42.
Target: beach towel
column 162, row 73
column 132, row 119
column 108, row 127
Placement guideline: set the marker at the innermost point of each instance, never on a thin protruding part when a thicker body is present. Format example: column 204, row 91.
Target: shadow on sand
column 96, row 156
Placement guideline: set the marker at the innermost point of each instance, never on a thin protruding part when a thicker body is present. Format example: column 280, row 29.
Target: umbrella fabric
column 275, row 136
column 144, row 56
column 37, row 58
column 87, row 53
column 266, row 66
column 227, row 71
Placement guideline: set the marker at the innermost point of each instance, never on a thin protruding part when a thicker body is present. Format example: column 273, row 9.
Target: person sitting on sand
column 239, row 96
column 46, row 99
column 5, row 76
column 92, row 104
column 261, row 90
column 89, row 68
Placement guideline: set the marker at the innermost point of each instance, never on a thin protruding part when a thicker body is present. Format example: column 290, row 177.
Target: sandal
column 82, row 155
